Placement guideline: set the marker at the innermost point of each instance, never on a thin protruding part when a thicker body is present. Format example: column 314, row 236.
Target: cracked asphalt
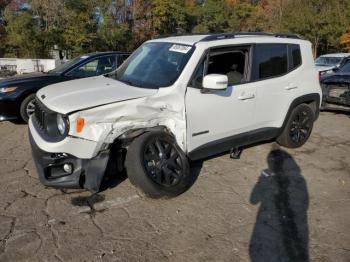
column 273, row 204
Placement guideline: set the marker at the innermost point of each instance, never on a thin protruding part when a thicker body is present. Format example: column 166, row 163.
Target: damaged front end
column 83, row 159
column 62, row 170
column 336, row 93
column 102, row 113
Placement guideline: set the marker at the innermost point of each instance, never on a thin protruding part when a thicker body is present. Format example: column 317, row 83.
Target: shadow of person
column 281, row 228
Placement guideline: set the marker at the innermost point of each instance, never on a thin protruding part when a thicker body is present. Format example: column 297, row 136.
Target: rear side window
column 295, row 56
column 271, row 60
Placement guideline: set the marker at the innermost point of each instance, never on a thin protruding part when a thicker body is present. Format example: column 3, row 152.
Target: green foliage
column 169, row 16
column 321, row 21
column 219, row 16
column 71, row 24
column 23, row 35
column 113, row 36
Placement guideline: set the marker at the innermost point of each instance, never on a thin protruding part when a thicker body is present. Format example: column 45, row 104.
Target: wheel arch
column 313, row 100
column 128, row 136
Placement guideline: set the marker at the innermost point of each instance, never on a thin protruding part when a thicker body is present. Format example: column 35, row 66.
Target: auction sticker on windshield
column 180, row 48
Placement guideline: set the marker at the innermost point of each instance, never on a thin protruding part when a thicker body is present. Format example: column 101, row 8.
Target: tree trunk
column 316, row 44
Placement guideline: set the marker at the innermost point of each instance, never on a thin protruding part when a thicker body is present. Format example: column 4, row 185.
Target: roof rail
column 220, row 36
column 175, row 35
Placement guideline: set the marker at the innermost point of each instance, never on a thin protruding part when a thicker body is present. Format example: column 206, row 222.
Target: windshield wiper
column 129, row 82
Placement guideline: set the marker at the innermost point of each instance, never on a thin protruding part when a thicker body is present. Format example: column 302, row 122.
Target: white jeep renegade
column 174, row 100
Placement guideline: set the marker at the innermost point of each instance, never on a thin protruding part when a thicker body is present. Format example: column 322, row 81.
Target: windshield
column 154, row 65
column 67, row 65
column 345, row 68
column 328, row 61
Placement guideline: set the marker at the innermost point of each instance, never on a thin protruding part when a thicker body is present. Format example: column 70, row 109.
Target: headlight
column 61, row 124
column 8, row 89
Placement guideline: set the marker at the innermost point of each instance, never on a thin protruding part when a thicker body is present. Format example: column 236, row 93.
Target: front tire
column 298, row 128
column 157, row 165
column 27, row 107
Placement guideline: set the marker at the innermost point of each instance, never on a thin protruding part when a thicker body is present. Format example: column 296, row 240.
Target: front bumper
column 9, row 109
column 86, row 173
column 336, row 94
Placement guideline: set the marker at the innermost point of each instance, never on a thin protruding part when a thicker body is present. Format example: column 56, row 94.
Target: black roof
column 219, row 36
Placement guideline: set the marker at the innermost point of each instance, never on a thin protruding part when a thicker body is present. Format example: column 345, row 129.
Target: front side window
column 63, row 67
column 99, row 66
column 231, row 63
column 228, row 61
column 154, row 65
column 271, row 60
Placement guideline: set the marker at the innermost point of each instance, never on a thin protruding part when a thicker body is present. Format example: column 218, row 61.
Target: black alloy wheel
column 162, row 163
column 157, row 166
column 300, row 127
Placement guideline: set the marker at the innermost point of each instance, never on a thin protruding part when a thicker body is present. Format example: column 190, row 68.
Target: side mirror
column 215, row 82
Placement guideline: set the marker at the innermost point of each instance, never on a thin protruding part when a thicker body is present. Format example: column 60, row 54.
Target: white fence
column 24, row 66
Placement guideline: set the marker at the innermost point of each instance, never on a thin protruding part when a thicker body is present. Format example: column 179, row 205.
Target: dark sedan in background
column 336, row 88
column 17, row 94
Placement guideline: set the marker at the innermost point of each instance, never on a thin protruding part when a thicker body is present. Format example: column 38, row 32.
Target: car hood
column 71, row 96
column 19, row 79
column 324, row 68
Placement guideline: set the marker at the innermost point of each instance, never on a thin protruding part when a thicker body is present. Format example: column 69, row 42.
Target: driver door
column 217, row 118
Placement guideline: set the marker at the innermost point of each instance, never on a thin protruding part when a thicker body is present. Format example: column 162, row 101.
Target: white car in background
column 326, row 63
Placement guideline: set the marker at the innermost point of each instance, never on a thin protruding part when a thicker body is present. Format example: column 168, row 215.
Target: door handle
column 291, row 87
column 246, row 96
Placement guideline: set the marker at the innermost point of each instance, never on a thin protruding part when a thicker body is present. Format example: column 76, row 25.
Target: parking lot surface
column 273, row 204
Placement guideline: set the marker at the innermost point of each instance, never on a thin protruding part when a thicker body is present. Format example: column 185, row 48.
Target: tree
column 50, row 12
column 268, row 16
column 320, row 21
column 112, row 36
column 142, row 23
column 23, row 35
column 345, row 39
column 222, row 16
column 3, row 4
column 169, row 16
column 78, row 34
column 80, row 26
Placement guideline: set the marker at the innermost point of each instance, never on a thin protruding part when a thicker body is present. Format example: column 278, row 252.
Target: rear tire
column 298, row 128
column 157, row 165
column 27, row 107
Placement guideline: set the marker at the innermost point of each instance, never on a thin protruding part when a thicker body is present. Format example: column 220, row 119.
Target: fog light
column 68, row 168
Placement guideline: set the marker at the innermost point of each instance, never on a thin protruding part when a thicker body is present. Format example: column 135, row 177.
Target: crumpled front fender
column 106, row 123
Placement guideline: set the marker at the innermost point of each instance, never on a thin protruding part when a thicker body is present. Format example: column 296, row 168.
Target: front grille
column 40, row 115
column 44, row 121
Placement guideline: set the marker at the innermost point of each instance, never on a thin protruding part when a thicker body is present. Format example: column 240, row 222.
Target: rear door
column 275, row 73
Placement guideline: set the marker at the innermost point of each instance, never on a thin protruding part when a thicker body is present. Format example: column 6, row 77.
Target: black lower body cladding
column 79, row 173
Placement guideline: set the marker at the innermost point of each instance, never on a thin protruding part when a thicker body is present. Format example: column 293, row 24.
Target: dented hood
column 85, row 93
